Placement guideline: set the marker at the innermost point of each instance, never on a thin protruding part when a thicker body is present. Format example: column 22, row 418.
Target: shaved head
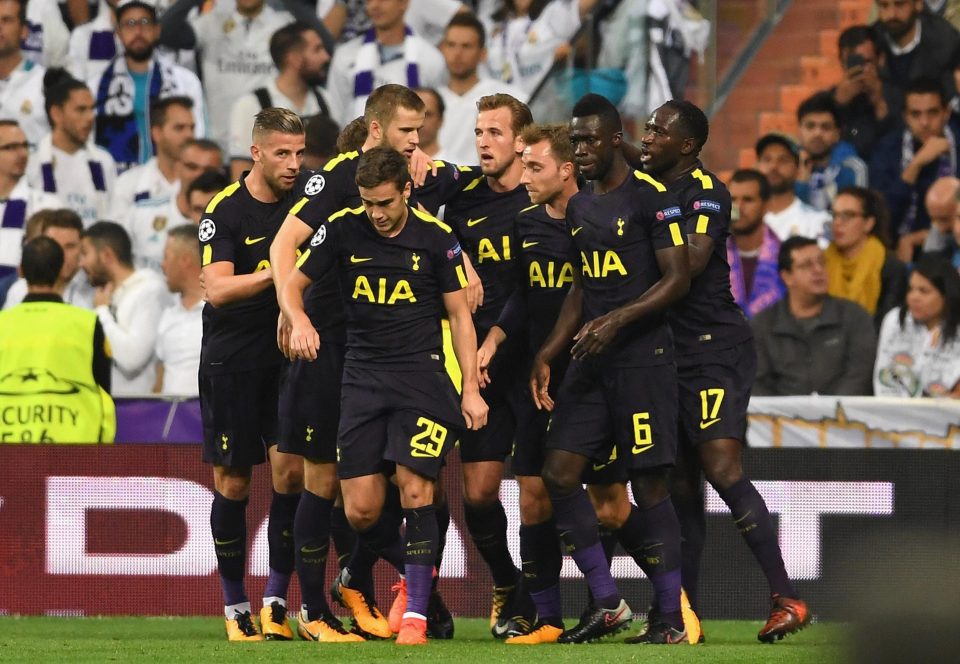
column 941, row 202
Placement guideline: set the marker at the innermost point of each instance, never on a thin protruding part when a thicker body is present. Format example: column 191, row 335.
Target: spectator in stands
column 353, row 136
column 197, row 156
column 388, row 53
column 299, row 55
column 859, row 265
column 133, row 82
column 47, row 35
column 778, row 158
column 918, row 354
column 321, row 141
column 53, row 359
column 941, row 205
column 66, row 162
column 145, row 197
column 810, row 342
column 21, row 81
column 128, row 303
column 861, row 97
column 906, row 162
column 432, row 123
column 93, row 45
column 63, row 227
column 18, row 200
column 915, row 43
column 181, row 325
column 827, row 164
column 202, row 190
column 464, row 51
column 752, row 248
column 427, row 18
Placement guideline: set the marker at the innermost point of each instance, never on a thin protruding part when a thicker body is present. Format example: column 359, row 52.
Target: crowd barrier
column 123, row 529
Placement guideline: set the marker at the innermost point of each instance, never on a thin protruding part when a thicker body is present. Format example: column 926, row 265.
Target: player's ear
column 617, row 139
column 407, row 190
column 255, row 152
column 375, row 131
column 518, row 145
column 567, row 170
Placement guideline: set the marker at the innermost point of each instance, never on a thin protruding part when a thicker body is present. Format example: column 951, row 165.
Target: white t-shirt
column 346, row 65
column 78, row 292
column 23, row 201
column 178, row 347
column 427, row 18
column 798, row 218
column 47, row 34
column 83, row 180
column 235, row 57
column 130, row 325
column 460, row 116
column 21, row 99
column 145, row 203
column 92, row 46
column 912, row 362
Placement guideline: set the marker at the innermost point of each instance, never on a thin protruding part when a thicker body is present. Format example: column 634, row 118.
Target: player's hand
column 540, row 384
column 474, row 410
column 283, row 336
column 102, row 295
column 594, row 337
column 485, row 355
column 420, row 165
column 474, row 285
column 304, row 341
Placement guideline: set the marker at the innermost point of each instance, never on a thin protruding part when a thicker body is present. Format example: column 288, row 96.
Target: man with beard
column 240, row 369
column 21, row 81
column 133, row 82
column 778, row 158
column 828, row 164
column 82, row 175
column 716, row 364
column 300, row 57
column 916, row 44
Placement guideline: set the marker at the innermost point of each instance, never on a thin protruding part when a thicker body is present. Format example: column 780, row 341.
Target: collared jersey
column 707, row 318
column 238, row 228
column 617, row 235
column 485, row 222
column 392, row 287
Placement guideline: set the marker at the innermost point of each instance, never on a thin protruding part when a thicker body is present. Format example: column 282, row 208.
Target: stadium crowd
column 125, row 125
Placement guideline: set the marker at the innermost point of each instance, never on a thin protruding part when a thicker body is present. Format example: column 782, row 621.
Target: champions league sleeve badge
column 207, row 230
column 314, row 185
column 319, row 237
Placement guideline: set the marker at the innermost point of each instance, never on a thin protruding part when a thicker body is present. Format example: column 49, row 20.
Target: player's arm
column 464, row 338
column 700, row 248
column 708, row 221
column 512, row 321
column 474, row 285
column 303, row 340
column 223, row 286
column 674, row 283
column 568, row 321
column 158, row 382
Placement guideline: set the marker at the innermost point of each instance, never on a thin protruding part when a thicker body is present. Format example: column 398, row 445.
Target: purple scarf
column 767, row 286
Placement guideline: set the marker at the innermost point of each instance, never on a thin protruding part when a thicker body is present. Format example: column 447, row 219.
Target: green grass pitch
column 195, row 640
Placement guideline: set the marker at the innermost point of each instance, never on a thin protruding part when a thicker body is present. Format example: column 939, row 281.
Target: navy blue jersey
column 237, row 228
column 392, row 287
column 617, row 235
column 708, row 318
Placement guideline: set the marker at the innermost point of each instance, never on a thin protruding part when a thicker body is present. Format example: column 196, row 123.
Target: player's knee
column 535, row 506
column 234, row 488
column 362, row 517
column 320, row 479
column 649, row 488
column 723, row 474
column 288, row 479
column 558, row 480
column 481, row 494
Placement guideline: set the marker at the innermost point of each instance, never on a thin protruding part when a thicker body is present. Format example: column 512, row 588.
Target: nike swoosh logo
column 354, row 259
column 600, row 466
column 253, row 240
column 287, row 533
column 418, row 543
column 310, row 549
column 527, row 245
column 473, row 222
column 225, row 542
column 709, row 423
column 576, row 230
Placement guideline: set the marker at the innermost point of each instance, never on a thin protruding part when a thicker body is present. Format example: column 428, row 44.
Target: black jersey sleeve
column 323, row 251
column 219, row 232
column 708, row 208
column 440, row 189
column 329, row 190
column 451, row 274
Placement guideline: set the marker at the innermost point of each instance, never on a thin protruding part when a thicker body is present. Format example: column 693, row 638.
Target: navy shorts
column 239, row 413
column 310, row 405
column 635, row 407
column 408, row 418
column 715, row 392
column 530, row 437
column 494, row 442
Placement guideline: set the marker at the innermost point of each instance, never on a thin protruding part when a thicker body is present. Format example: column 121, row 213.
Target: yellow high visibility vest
column 47, row 390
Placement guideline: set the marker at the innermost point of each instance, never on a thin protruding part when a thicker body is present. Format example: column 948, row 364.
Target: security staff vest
column 47, row 390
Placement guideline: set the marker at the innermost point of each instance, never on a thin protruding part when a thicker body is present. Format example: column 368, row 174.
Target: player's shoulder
column 226, row 201
column 646, row 182
column 342, row 162
column 532, row 212
column 429, row 223
column 705, row 192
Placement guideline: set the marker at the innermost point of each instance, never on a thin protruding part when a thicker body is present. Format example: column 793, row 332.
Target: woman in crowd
column 918, row 354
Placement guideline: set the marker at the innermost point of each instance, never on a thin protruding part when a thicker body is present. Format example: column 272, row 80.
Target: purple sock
column 542, row 561
column 229, row 527
column 577, row 525
column 278, row 584
column 755, row 524
column 420, row 555
column 549, row 606
column 660, row 530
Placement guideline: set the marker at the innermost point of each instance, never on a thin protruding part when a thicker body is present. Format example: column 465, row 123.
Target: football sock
column 311, row 534
column 755, row 524
column 577, row 524
column 541, row 564
column 283, row 510
column 382, row 539
column 229, row 527
column 443, row 524
column 693, row 536
column 660, row 530
column 608, row 540
column 488, row 529
column 344, row 537
column 419, row 557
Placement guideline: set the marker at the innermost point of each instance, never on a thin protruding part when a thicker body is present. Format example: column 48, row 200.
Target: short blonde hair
column 281, row 120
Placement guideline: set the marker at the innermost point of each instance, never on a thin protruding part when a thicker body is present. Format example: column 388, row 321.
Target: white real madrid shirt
column 235, row 57
column 460, row 116
column 92, row 46
column 83, row 180
column 21, row 99
column 145, row 203
column 22, row 202
column 47, row 34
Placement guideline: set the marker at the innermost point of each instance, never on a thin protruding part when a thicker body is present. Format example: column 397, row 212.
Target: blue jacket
column 845, row 169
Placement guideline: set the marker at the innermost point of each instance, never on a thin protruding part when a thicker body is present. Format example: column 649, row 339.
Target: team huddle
column 566, row 304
